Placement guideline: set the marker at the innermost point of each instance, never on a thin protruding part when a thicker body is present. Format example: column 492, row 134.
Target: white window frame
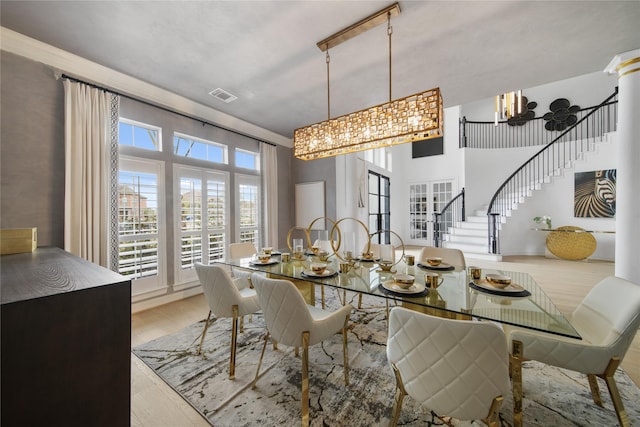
column 241, row 179
column 146, row 126
column 157, row 283
column 225, row 148
column 253, row 153
column 186, row 276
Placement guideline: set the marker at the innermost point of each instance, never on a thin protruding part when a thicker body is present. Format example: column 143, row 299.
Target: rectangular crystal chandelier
column 414, row 118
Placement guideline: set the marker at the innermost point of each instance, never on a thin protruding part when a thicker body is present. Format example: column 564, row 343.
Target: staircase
column 477, row 236
column 471, row 237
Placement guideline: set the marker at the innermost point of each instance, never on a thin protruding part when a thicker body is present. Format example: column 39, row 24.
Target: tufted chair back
column 454, row 367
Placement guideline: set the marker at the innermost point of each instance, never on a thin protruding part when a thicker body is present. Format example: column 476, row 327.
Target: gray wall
column 314, row 171
column 32, row 149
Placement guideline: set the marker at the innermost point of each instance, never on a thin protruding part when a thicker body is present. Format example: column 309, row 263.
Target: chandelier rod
column 389, row 32
column 359, row 27
column 328, row 60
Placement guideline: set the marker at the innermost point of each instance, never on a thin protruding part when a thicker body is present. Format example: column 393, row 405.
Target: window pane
column 137, row 203
column 373, row 184
column 195, row 148
column 190, row 204
column 138, row 135
column 137, row 224
column 246, row 159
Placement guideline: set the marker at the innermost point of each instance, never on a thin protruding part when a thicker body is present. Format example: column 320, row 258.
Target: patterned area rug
column 553, row 397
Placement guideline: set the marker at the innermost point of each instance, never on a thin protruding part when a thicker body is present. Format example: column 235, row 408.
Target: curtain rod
column 204, row 122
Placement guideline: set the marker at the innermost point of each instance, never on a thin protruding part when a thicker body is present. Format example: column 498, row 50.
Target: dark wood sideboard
column 66, row 342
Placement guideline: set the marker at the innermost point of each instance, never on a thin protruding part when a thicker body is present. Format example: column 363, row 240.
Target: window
column 248, row 207
column 379, row 207
column 380, row 157
column 247, row 159
column 196, row 148
column 139, row 223
column 202, row 218
column 139, row 135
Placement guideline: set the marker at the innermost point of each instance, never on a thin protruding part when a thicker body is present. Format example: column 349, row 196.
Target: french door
column 425, row 199
column 379, row 207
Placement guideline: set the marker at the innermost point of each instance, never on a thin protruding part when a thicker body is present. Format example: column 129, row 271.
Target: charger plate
column 416, row 290
column 442, row 266
column 270, row 262
column 512, row 290
column 312, row 275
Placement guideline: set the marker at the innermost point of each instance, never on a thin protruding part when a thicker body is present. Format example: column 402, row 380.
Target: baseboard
column 147, row 304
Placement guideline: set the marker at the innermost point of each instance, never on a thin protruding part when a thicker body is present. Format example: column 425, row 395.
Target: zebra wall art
column 595, row 194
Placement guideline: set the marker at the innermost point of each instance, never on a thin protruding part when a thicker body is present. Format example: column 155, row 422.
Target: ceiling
column 265, row 53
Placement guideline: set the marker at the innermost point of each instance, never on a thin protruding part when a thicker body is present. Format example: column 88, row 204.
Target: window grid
column 137, row 224
column 419, row 212
column 139, row 135
column 248, row 203
column 196, row 148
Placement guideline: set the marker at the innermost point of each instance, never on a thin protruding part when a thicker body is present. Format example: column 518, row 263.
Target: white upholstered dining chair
column 607, row 319
column 242, row 250
column 457, row 368
column 226, row 298
column 451, row 256
column 290, row 321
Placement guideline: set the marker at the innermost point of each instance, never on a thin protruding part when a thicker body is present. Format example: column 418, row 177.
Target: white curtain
column 270, row 194
column 90, row 165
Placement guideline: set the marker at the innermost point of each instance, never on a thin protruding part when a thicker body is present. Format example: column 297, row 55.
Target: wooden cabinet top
column 47, row 272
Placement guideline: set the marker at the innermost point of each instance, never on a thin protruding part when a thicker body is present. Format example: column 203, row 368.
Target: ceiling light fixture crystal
column 412, row 118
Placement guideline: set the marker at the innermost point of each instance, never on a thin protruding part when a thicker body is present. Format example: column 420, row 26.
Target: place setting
column 264, row 258
column 436, row 263
column 496, row 284
column 318, row 270
column 404, row 285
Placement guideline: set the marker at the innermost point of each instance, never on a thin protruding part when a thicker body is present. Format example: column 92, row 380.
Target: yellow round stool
column 574, row 245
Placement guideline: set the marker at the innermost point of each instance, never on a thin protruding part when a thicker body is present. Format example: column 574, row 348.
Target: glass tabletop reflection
column 524, row 304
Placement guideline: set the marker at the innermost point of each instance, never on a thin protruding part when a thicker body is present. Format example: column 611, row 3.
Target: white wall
column 407, row 171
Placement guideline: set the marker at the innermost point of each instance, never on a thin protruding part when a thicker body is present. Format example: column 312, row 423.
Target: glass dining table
column 522, row 303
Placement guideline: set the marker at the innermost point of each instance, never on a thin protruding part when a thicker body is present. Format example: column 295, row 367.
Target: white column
column 627, row 67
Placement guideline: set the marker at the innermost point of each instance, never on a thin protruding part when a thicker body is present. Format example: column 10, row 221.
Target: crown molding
column 62, row 61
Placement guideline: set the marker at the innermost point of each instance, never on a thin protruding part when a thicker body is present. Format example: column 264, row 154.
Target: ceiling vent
column 223, row 95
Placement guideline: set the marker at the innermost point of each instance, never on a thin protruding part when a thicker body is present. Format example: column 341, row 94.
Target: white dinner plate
column 391, row 285
column 326, row 273
column 486, row 284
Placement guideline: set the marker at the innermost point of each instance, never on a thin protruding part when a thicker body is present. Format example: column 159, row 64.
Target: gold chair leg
column 517, row 352
column 623, row 418
column 400, row 393
column 264, row 347
column 493, row 420
column 359, row 301
column 305, row 379
column 345, row 350
column 234, row 339
column 595, row 390
column 296, row 352
column 241, row 324
column 322, row 295
column 204, row 331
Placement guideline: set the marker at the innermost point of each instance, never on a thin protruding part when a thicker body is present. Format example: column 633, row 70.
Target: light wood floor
column 153, row 403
